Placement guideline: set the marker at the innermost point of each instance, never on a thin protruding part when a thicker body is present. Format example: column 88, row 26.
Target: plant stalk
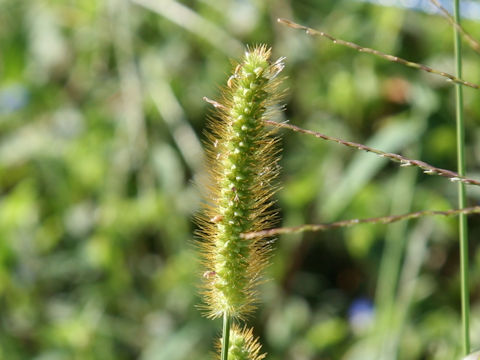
column 463, row 231
column 404, row 162
column 351, row 222
column 313, row 32
column 226, row 335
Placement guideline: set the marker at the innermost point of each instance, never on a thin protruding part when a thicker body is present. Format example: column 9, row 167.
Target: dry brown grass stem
column 388, row 57
column 351, row 222
column 404, row 162
column 474, row 44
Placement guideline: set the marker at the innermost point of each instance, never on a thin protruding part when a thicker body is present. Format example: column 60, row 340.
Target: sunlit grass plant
column 243, row 163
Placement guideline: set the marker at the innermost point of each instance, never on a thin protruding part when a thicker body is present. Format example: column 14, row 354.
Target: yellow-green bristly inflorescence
column 243, row 345
column 243, row 164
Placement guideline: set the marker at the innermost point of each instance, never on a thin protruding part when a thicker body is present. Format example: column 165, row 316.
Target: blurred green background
column 101, row 121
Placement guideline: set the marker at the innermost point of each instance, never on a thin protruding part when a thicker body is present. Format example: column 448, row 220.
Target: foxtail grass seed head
column 243, row 164
column 242, row 345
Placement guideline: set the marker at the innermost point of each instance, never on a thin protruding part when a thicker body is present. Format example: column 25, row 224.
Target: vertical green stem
column 226, row 335
column 463, row 234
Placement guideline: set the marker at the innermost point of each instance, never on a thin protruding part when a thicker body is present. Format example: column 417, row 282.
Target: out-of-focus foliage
column 101, row 119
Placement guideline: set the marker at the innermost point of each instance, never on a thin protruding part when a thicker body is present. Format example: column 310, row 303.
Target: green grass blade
column 463, row 231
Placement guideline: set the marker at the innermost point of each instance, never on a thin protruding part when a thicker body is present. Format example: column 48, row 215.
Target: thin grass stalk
column 404, row 161
column 346, row 223
column 463, row 231
column 392, row 58
column 227, row 320
column 474, row 44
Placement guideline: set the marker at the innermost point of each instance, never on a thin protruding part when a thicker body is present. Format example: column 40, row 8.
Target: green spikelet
column 242, row 345
column 243, row 162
